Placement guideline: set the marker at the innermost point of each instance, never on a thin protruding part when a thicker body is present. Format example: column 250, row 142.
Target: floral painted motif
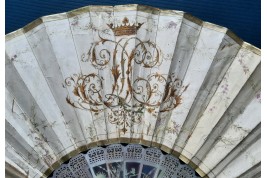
column 242, row 63
column 172, row 24
column 174, row 128
column 258, row 96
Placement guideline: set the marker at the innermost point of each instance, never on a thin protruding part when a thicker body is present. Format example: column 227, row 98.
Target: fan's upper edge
column 138, row 7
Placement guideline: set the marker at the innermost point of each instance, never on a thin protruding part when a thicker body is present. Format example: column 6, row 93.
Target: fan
column 133, row 74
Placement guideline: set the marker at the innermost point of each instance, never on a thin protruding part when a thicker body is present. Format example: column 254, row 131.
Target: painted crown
column 125, row 29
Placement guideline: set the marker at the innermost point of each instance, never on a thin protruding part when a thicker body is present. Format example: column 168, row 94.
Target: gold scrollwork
column 130, row 96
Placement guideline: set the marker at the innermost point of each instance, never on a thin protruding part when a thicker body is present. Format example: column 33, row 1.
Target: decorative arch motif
column 118, row 161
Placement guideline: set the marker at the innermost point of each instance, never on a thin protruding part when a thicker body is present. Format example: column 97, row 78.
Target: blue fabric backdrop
column 241, row 16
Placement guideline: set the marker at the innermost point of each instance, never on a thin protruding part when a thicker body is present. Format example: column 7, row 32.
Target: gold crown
column 125, row 29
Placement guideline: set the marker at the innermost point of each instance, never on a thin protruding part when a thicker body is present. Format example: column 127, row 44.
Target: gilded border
column 79, row 11
column 129, row 7
column 192, row 18
column 126, row 7
column 251, row 48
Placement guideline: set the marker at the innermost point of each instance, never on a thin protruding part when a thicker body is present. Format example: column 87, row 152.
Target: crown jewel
column 125, row 29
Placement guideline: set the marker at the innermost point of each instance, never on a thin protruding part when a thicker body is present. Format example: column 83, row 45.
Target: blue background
column 241, row 16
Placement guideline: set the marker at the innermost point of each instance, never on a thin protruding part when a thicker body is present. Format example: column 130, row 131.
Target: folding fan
column 131, row 91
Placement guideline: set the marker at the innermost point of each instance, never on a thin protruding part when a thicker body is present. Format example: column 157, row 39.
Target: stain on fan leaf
column 13, row 103
column 13, row 58
column 148, row 128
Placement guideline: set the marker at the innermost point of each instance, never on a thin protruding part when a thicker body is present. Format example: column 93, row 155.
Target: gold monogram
column 129, row 97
